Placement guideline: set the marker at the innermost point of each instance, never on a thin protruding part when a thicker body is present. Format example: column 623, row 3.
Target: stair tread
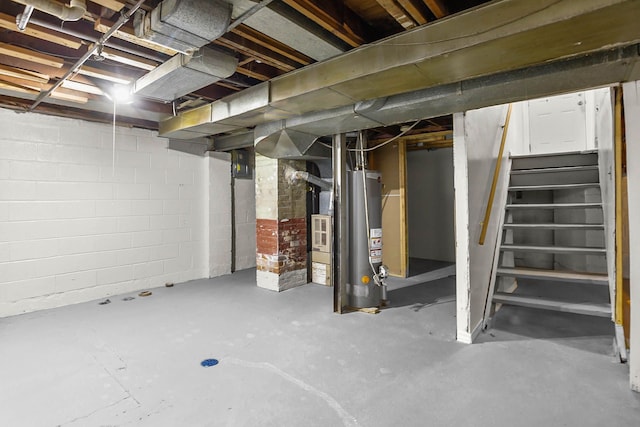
column 566, row 153
column 555, row 169
column 554, row 186
column 552, row 205
column 563, row 249
column 591, row 309
column 565, row 276
column 555, row 225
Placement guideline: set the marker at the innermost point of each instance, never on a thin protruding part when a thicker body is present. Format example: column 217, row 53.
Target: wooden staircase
column 553, row 233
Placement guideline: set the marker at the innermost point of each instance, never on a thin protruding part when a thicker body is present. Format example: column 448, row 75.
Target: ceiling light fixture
column 122, row 94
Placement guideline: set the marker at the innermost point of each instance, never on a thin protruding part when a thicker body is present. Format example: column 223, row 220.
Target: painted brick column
column 281, row 226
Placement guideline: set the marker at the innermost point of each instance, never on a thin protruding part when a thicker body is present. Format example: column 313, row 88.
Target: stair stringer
column 497, row 254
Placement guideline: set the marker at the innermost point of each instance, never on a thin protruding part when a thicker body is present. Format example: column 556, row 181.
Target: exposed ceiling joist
column 415, row 8
column 398, row 13
column 128, row 59
column 55, row 109
column 64, row 94
column 103, row 75
column 334, row 17
column 9, row 22
column 82, row 87
column 115, row 5
column 23, row 74
column 30, row 55
column 126, row 33
column 437, row 7
column 258, row 71
column 271, row 44
column 249, row 48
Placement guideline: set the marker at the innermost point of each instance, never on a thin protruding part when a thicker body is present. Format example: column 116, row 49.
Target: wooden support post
column 619, row 292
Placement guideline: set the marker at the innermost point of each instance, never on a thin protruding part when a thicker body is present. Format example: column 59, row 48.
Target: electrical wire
column 113, row 143
column 389, row 140
column 366, row 150
column 44, row 52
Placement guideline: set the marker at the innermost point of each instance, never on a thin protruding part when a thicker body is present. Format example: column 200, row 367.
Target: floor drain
column 209, row 362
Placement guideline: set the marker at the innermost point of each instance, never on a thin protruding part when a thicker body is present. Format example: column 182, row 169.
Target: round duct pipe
column 71, row 12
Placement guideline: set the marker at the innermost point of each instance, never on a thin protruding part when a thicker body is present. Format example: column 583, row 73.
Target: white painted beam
column 461, row 186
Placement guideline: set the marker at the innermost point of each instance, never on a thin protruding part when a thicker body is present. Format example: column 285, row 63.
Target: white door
column 557, row 124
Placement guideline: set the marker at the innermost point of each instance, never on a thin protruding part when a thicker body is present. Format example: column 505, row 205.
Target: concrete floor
column 287, row 360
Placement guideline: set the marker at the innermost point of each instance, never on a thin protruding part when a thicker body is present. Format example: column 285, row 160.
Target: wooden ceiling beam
column 334, row 17
column 43, row 70
column 262, row 72
column 16, row 88
column 437, row 7
column 272, row 44
column 60, row 93
column 82, row 87
column 33, row 30
column 115, row 5
column 30, row 55
column 415, row 8
column 215, row 91
column 249, row 48
column 398, row 13
column 126, row 33
column 229, row 86
column 104, row 75
column 75, row 113
column 23, row 74
column 128, row 59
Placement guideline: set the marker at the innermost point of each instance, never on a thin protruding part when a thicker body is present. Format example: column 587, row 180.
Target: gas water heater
column 365, row 287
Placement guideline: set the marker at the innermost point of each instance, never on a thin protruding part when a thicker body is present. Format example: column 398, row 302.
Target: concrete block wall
column 74, row 228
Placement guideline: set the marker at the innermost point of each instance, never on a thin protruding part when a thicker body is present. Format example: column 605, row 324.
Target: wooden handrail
column 619, row 301
column 496, row 174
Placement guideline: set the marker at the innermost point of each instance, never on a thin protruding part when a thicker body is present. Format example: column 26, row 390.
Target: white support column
column 461, row 185
column 631, row 93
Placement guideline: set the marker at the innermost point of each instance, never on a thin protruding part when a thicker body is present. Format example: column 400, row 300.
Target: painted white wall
column 483, row 130
column 219, row 213
column 603, row 126
column 476, row 145
column 461, row 192
column 74, row 229
column 430, row 200
column 517, row 139
column 631, row 93
column 245, row 198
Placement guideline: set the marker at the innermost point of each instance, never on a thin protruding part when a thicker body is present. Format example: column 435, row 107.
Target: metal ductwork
column 184, row 25
column 276, row 141
column 293, row 175
column 433, row 70
column 72, row 12
column 185, row 73
column 589, row 71
column 503, row 36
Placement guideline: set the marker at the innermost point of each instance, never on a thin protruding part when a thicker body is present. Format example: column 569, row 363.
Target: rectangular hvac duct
column 184, row 25
column 183, row 74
